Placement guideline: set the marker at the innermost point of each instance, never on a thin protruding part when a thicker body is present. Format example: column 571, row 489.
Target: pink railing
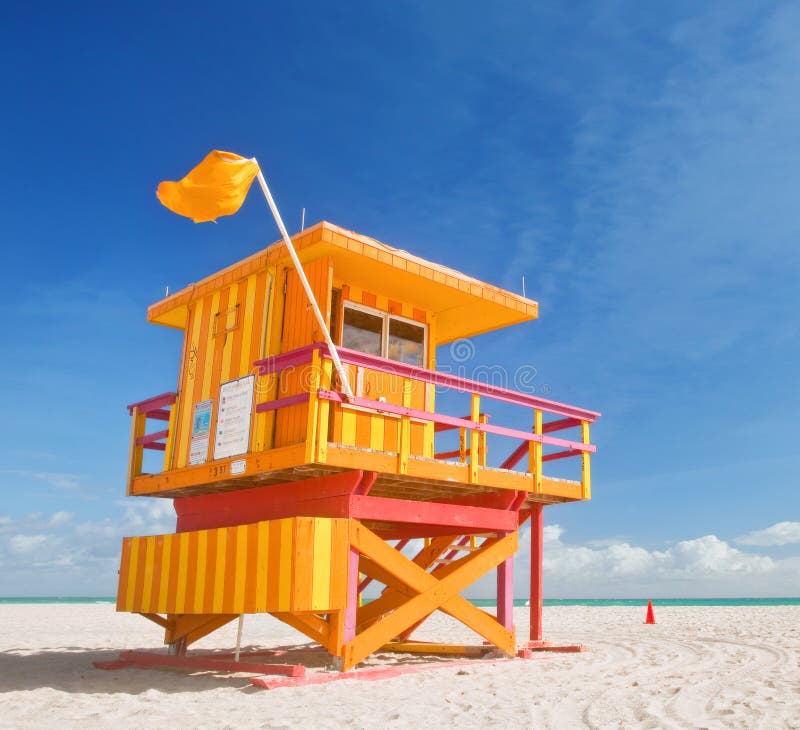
column 157, row 408
column 475, row 425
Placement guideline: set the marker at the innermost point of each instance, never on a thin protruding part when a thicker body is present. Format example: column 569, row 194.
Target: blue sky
column 639, row 166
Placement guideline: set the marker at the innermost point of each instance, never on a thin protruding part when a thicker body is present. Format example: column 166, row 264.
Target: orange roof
column 463, row 306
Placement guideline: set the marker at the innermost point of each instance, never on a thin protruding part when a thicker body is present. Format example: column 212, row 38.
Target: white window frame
column 386, row 316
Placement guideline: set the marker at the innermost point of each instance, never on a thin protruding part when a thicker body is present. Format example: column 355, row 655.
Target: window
column 385, row 335
column 406, row 342
column 362, row 331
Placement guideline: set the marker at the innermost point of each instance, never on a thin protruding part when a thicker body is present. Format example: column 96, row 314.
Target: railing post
column 535, row 452
column 405, row 431
column 586, row 474
column 324, row 406
column 474, row 439
column 135, row 451
column 462, row 445
column 482, row 450
column 170, row 446
column 313, row 401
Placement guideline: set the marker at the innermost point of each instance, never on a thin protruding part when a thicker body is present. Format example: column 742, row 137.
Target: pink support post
column 352, row 597
column 505, row 593
column 537, row 540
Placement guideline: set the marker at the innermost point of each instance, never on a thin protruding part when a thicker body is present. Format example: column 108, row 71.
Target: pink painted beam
column 154, row 403
column 151, row 437
column 516, row 456
column 561, row 455
column 501, row 499
column 368, row 675
column 146, row 659
column 382, row 407
column 240, row 507
column 439, row 427
column 276, row 363
column 160, row 414
column 353, row 357
column 431, row 513
column 334, row 496
column 155, row 446
column 367, row 482
column 560, row 424
column 447, row 454
column 400, row 531
column 289, row 400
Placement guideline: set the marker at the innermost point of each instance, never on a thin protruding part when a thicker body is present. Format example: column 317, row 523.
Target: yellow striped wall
column 226, row 332
column 300, row 328
column 292, row 564
column 352, row 427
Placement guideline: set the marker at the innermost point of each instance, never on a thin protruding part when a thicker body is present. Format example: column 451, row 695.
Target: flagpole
column 309, row 293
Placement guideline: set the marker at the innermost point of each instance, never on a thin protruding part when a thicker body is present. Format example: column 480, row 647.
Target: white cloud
column 57, row 480
column 24, row 544
column 781, row 533
column 59, row 518
column 705, row 566
column 55, row 554
column 552, row 533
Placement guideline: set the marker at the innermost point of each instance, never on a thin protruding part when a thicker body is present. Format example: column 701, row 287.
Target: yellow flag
column 216, row 187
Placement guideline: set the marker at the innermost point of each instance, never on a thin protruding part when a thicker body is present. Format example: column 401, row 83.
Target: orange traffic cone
column 651, row 619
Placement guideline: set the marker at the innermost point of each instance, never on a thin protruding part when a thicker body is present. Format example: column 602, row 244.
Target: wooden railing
column 157, row 408
column 473, row 428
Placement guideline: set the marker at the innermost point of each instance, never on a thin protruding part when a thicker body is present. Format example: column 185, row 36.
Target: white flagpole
column 309, row 293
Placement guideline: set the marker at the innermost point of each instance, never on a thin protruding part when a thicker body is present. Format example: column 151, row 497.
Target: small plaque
column 238, row 467
column 201, row 426
column 234, row 414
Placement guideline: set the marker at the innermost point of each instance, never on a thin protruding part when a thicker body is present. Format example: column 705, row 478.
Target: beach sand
column 697, row 667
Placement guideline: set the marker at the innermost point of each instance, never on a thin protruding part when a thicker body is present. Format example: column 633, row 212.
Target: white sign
column 201, row 427
column 235, row 410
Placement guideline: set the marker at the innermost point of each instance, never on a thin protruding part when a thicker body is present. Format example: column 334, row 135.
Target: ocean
column 490, row 601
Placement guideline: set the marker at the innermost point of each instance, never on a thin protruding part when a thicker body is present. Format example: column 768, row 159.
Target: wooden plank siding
column 354, row 427
column 273, row 565
column 226, row 332
column 300, row 328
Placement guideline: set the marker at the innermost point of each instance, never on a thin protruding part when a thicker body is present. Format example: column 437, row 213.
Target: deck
column 394, row 435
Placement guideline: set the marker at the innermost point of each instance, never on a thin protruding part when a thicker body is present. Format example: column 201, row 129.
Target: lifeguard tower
column 292, row 497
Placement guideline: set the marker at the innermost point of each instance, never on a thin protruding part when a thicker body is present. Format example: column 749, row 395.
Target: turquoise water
column 517, row 601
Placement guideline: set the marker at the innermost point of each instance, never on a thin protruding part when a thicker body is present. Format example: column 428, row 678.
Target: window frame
column 386, row 317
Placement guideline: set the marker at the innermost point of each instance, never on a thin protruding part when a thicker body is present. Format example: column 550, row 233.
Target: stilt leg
column 349, row 619
column 505, row 593
column 537, row 528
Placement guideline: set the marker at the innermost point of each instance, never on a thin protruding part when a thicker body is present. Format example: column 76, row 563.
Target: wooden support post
column 135, row 451
column 324, row 407
column 537, row 543
column 313, row 401
column 535, row 452
column 404, row 447
column 505, row 593
column 586, row 475
column 474, row 440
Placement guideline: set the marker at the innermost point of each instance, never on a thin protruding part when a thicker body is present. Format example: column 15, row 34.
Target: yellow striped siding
column 223, row 338
column 226, row 565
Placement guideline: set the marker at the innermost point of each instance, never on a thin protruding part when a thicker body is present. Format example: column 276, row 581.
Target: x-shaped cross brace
column 413, row 593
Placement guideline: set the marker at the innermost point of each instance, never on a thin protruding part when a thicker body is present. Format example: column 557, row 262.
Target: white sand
column 698, row 667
